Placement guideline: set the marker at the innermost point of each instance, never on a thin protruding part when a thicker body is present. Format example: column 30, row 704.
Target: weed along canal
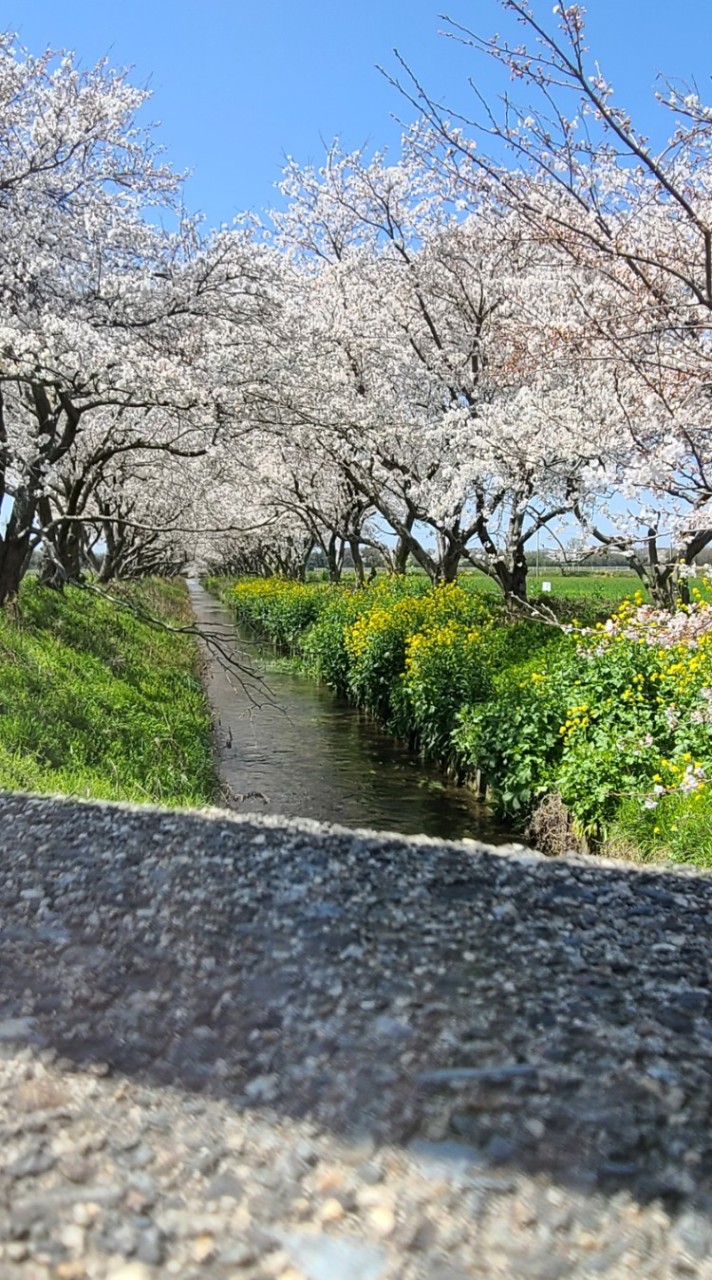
column 311, row 755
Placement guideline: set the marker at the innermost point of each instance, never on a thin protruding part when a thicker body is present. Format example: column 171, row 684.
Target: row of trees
column 113, row 376
column 441, row 359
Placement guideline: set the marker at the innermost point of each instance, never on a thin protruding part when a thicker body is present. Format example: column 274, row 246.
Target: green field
column 587, row 585
column 604, row 585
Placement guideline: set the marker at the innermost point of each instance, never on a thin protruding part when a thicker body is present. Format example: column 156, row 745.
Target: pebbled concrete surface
column 238, row 1046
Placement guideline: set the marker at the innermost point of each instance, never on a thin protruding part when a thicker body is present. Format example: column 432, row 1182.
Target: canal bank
column 290, row 747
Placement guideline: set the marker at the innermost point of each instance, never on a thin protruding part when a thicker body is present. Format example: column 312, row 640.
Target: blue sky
column 237, row 85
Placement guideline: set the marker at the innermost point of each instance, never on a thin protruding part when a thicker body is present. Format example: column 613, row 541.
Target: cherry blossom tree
column 114, row 331
column 593, row 191
column 416, row 369
column 76, row 173
column 507, row 328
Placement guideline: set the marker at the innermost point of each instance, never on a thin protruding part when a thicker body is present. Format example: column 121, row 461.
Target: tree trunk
column 304, row 562
column 62, row 561
column 51, row 572
column 666, row 592
column 400, row 556
column 16, row 547
column 14, row 561
column 403, row 546
column 358, row 561
column 512, row 577
column 334, row 552
column 114, row 539
column 518, row 579
column 449, row 561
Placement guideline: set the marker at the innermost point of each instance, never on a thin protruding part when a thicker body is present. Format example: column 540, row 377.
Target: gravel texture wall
column 237, row 1046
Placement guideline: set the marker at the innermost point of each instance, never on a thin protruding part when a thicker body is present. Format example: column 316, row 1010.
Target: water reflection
column 313, row 756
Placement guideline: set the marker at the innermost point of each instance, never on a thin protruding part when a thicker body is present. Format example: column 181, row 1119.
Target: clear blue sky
column 238, row 83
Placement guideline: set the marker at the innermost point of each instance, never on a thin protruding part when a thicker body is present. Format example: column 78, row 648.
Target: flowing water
column 311, row 755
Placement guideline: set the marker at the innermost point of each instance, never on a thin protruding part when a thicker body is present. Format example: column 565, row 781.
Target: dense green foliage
column 409, row 653
column 612, row 721
column 617, row 722
column 96, row 703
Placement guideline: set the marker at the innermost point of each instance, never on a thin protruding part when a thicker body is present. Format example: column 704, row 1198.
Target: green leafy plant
column 613, row 724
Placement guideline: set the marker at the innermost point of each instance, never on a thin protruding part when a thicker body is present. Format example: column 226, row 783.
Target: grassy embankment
column 95, row 703
column 597, row 734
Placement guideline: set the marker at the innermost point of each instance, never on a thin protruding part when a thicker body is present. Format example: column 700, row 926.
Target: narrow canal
column 311, row 755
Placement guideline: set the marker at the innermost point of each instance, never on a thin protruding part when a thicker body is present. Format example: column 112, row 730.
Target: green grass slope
column 95, row 703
